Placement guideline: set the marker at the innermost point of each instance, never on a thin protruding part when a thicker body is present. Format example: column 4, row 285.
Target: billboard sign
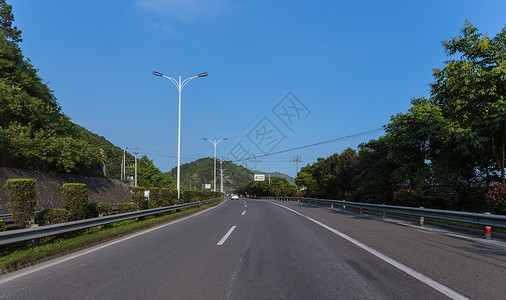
column 259, row 177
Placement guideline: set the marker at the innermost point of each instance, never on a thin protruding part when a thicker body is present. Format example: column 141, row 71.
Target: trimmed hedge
column 127, row 207
column 53, row 216
column 2, row 225
column 154, row 194
column 95, row 209
column 194, row 196
column 152, row 204
column 169, row 197
column 137, row 196
column 22, row 194
column 75, row 199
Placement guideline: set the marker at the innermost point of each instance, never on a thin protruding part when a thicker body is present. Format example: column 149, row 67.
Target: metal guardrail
column 27, row 234
column 459, row 216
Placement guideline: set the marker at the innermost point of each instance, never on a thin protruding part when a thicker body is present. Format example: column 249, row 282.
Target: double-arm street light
column 215, row 142
column 179, row 85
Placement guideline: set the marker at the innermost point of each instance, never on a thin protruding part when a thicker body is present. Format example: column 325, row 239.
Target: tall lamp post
column 179, row 85
column 215, row 142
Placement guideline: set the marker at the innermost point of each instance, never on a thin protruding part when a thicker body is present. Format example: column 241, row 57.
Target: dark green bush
column 21, row 194
column 165, row 203
column 154, row 194
column 53, row 216
column 194, row 196
column 137, row 196
column 95, row 209
column 41, row 216
column 2, row 225
column 169, row 197
column 127, row 207
column 152, row 204
column 75, row 199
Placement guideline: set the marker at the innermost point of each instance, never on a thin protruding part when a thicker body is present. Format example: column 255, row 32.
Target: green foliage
column 6, row 19
column 75, row 199
column 471, row 92
column 53, row 216
column 278, row 187
column 150, row 176
column 2, row 225
column 127, row 207
column 201, row 171
column 194, row 196
column 95, row 209
column 151, row 204
column 169, row 197
column 34, row 134
column 137, row 196
column 496, row 199
column 155, row 194
column 21, row 194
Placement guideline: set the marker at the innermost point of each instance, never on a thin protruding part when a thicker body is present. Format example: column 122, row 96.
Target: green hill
column 197, row 173
column 34, row 132
column 275, row 174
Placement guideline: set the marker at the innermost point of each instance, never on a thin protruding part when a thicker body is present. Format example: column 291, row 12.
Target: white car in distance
column 234, row 197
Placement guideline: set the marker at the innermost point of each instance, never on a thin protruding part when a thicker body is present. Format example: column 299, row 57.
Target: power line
column 313, row 145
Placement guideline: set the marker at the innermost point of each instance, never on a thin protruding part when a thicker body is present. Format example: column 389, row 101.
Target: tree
column 6, row 19
column 471, row 92
column 374, row 183
column 150, row 176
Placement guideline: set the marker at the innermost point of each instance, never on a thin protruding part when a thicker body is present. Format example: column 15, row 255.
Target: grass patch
column 18, row 255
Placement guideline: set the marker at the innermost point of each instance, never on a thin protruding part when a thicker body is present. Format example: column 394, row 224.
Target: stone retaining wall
column 49, row 186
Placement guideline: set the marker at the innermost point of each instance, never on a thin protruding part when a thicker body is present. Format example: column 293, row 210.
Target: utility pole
column 135, row 167
column 297, row 160
column 103, row 160
column 124, row 165
column 221, row 173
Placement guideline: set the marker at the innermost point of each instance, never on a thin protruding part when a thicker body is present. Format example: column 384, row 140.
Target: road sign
column 207, row 186
column 259, row 177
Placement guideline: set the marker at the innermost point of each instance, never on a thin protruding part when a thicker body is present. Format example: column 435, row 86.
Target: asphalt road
column 254, row 249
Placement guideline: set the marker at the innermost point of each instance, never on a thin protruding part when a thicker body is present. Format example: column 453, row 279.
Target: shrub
column 53, row 216
column 2, row 225
column 165, row 203
column 152, row 204
column 154, row 194
column 496, row 199
column 137, row 196
column 75, row 199
column 41, row 216
column 127, row 207
column 95, row 209
column 169, row 196
column 21, row 193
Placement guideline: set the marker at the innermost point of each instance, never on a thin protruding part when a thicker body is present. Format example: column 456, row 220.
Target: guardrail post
column 422, row 219
column 383, row 215
column 332, row 205
column 360, row 209
column 344, row 206
column 488, row 230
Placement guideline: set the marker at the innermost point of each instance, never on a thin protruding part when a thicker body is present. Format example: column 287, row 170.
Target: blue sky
column 282, row 74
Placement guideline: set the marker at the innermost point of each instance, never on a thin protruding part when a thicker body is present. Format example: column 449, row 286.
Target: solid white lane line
column 84, row 252
column 423, row 278
column 223, row 239
column 243, row 212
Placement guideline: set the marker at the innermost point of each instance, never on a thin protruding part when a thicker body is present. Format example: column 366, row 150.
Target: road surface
column 257, row 249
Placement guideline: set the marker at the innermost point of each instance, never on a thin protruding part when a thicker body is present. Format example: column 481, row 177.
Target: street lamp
column 179, row 85
column 214, row 142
